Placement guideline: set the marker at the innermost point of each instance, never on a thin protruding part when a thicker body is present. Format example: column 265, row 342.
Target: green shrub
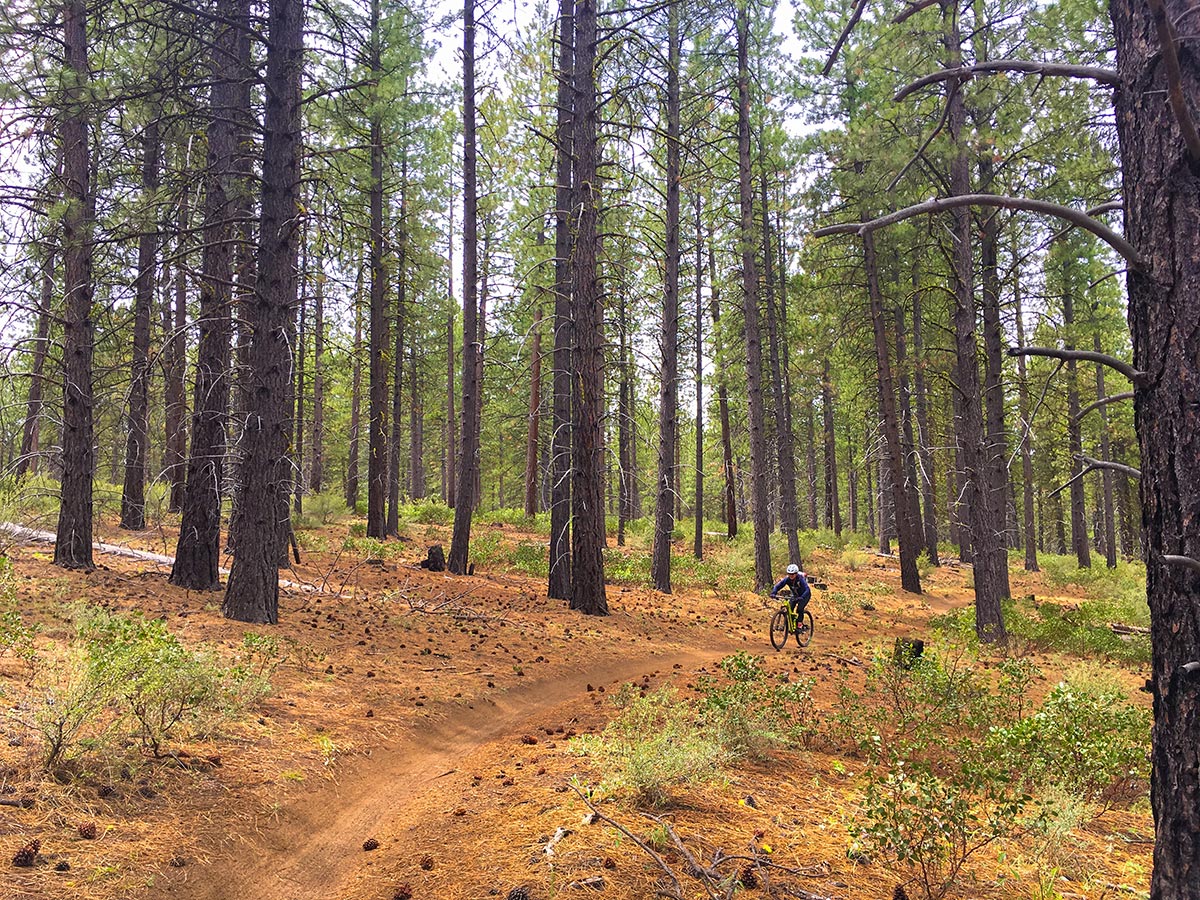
column 320, row 509
column 924, row 565
column 486, row 548
column 429, row 512
column 626, row 568
column 748, row 714
column 532, row 558
column 652, row 748
column 854, row 559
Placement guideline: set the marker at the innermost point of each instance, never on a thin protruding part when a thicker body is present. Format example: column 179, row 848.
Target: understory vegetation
column 117, row 683
column 956, row 753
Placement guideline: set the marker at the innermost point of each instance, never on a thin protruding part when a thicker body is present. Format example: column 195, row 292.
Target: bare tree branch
column 991, row 67
column 837, row 47
column 1179, row 104
column 1112, row 362
column 629, row 834
column 1104, row 401
column 1108, row 464
column 941, row 204
column 911, row 10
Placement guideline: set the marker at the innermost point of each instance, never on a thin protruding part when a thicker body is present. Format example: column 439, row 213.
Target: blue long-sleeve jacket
column 799, row 587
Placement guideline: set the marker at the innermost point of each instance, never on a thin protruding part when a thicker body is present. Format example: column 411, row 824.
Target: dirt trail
column 311, row 850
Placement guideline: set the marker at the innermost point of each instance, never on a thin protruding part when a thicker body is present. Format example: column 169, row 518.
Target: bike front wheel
column 779, row 629
column 804, row 629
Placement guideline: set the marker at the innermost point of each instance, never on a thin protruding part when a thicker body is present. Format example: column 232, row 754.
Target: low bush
column 854, row 559
column 532, row 558
column 320, row 509
column 749, row 714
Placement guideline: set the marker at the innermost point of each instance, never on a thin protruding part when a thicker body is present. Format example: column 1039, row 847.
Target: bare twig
column 695, row 869
column 1108, row 464
column 941, row 204
column 1118, row 628
column 1138, row 378
column 991, row 67
column 633, row 837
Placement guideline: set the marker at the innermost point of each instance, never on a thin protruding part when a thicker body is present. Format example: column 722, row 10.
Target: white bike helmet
column 793, row 569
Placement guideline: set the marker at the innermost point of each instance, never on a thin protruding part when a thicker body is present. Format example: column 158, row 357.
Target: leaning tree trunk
column 133, row 492
column 989, row 554
column 198, row 551
column 464, row 497
column 1161, row 190
column 252, row 594
column 73, row 540
column 666, row 495
column 754, row 362
column 587, row 484
column 564, row 333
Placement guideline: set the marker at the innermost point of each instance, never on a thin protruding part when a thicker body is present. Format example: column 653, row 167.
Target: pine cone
column 899, row 893
column 749, row 878
column 370, row 844
column 426, row 862
column 87, row 830
column 519, row 893
column 27, row 855
column 404, row 892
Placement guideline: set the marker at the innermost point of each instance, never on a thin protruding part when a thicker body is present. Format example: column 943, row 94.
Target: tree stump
column 435, row 559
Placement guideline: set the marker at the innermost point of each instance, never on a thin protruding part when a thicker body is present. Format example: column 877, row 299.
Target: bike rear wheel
column 779, row 629
column 804, row 629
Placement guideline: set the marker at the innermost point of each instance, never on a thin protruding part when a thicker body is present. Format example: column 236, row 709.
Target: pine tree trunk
column 535, row 409
column 174, row 362
column 1031, row 548
column 296, row 438
column 73, row 539
column 908, row 532
column 133, row 493
column 198, row 551
column 316, row 468
column 395, row 451
column 785, row 444
column 449, row 470
column 587, row 485
column 624, row 420
column 1110, row 529
column 1080, row 541
column 833, row 512
column 698, row 548
column 666, row 495
column 378, row 327
column 730, row 472
column 27, row 460
column 564, row 337
column 810, row 462
column 355, row 398
column 416, row 424
column 464, row 497
column 1161, row 191
column 924, row 435
column 754, row 363
column 252, row 594
column 912, row 485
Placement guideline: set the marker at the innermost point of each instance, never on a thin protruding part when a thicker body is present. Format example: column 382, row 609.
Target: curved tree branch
column 1088, row 355
column 941, row 204
column 1094, row 464
column 1104, row 401
column 1185, row 562
column 912, row 9
column 991, row 67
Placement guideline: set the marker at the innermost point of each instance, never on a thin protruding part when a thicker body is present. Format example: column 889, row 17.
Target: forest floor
column 435, row 715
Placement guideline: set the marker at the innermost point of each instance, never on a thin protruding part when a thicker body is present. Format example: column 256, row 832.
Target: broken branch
column 1185, row 562
column 837, row 47
column 629, row 834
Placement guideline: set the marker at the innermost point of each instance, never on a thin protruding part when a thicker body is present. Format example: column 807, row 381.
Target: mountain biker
column 799, row 593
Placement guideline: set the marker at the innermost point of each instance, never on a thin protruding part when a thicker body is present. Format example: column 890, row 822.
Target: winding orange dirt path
column 311, row 848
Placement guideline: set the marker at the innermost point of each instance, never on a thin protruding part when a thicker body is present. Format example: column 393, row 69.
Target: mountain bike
column 785, row 622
